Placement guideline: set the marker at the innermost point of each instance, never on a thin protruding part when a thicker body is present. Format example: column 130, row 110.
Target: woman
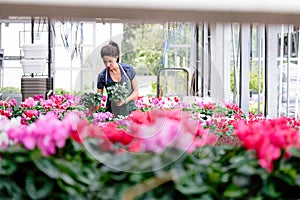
column 117, row 73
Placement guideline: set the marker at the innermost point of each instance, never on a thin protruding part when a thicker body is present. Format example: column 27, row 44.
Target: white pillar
column 271, row 99
column 217, row 61
column 245, row 67
column 227, row 60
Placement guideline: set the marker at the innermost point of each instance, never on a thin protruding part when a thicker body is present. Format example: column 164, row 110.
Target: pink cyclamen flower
column 268, row 137
column 12, row 102
column 28, row 103
column 159, row 130
column 47, row 133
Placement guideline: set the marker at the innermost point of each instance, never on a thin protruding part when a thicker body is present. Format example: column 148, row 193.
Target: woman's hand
column 122, row 102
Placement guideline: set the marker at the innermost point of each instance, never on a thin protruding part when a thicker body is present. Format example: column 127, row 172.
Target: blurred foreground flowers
column 60, row 148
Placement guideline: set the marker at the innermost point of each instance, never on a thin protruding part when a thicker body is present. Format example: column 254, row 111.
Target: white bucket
column 35, row 51
column 33, row 65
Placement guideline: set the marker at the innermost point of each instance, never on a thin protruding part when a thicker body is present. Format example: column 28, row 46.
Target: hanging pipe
column 32, row 36
column 32, row 30
column 49, row 48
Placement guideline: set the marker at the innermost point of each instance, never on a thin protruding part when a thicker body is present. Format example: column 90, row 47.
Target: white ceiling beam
column 266, row 11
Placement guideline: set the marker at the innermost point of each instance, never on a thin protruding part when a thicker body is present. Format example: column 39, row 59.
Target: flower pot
column 96, row 108
column 33, row 65
column 119, row 110
column 35, row 51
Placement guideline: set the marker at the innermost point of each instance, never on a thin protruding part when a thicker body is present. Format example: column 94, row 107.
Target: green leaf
column 136, row 178
column 247, row 170
column 288, row 174
column 298, row 179
column 70, row 190
column 16, row 154
column 87, row 174
column 232, row 191
column 191, row 184
column 295, row 152
column 241, row 181
column 38, row 187
column 9, row 190
column 68, row 179
column 57, row 169
column 7, row 167
column 68, row 172
column 48, row 167
column 270, row 190
column 192, row 189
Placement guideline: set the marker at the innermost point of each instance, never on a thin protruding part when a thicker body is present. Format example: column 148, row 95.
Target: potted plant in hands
column 118, row 93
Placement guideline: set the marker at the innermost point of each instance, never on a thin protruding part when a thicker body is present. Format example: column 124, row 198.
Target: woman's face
column 109, row 61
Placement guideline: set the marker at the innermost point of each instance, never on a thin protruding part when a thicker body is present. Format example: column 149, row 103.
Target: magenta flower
column 28, row 103
column 102, row 117
column 268, row 137
column 12, row 102
column 162, row 129
column 47, row 133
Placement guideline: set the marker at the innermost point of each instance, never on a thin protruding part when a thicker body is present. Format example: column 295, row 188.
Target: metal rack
column 38, row 84
column 172, row 82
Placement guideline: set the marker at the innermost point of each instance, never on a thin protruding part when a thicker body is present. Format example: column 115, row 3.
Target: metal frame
column 172, row 69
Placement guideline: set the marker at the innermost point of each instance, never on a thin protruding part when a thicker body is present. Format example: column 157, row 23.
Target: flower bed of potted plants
column 60, row 148
column 11, row 92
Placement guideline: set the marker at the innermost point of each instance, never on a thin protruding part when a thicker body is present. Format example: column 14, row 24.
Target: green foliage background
column 142, row 47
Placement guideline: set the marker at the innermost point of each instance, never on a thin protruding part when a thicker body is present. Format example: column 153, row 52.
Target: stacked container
column 34, row 65
column 34, row 61
column 31, row 86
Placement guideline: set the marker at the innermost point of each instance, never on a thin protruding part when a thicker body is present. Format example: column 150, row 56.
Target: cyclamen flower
column 206, row 105
column 47, row 133
column 28, row 103
column 162, row 129
column 29, row 116
column 102, row 117
column 143, row 102
column 47, row 104
column 5, row 113
column 3, row 103
column 269, row 138
column 233, row 107
column 5, row 125
column 38, row 97
column 12, row 102
column 116, row 135
column 7, row 108
column 57, row 99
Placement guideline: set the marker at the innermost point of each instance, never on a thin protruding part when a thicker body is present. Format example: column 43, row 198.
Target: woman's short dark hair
column 111, row 49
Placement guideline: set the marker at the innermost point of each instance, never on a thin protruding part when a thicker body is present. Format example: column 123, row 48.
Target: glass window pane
column 62, row 79
column 62, row 58
column 91, row 57
column 12, row 77
column 88, row 33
